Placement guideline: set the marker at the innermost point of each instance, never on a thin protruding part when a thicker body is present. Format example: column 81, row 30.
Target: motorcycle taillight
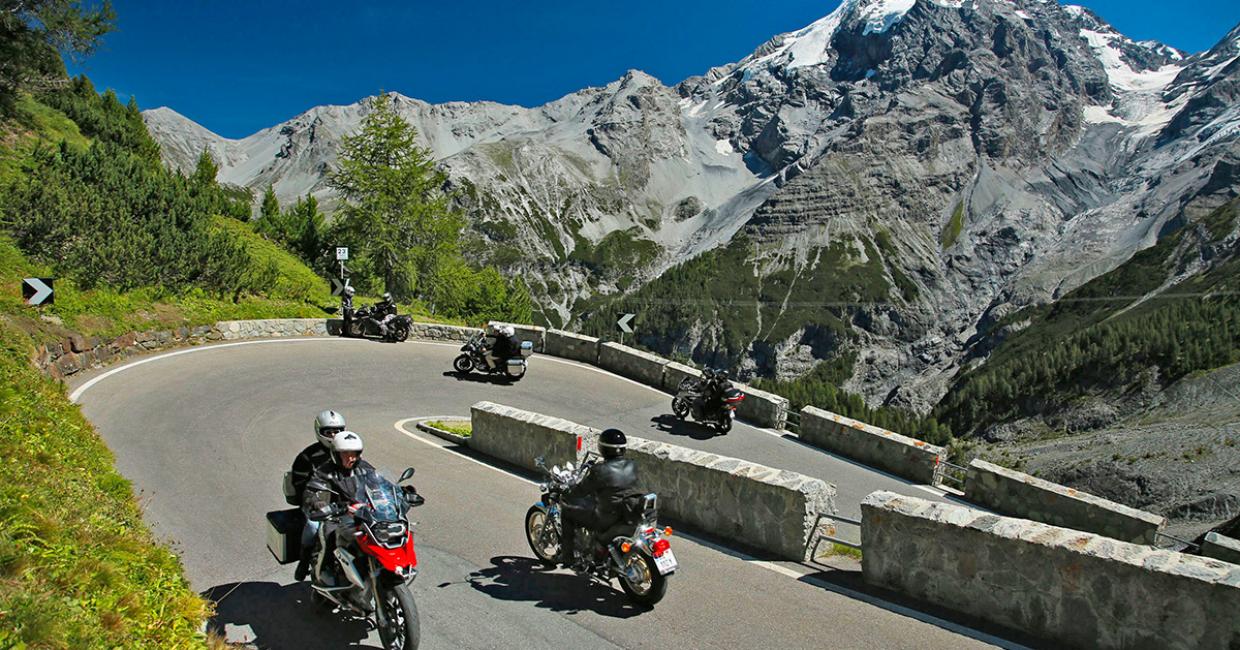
column 660, row 547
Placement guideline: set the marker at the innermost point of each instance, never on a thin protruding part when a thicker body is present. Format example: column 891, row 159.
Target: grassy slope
column 78, row 569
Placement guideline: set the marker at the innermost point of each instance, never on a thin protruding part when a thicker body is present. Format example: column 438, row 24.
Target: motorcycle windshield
column 386, row 500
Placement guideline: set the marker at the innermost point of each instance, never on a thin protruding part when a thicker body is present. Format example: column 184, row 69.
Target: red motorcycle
column 369, row 578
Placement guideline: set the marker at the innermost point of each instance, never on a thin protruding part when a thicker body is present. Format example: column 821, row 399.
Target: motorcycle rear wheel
column 463, row 364
column 547, row 552
column 401, row 333
column 650, row 586
column 404, row 630
column 680, row 408
column 725, row 425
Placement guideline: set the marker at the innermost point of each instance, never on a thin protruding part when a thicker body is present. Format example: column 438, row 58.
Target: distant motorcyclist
column 385, row 311
column 346, row 308
column 597, row 501
column 504, row 347
column 331, row 489
column 716, row 382
column 326, row 425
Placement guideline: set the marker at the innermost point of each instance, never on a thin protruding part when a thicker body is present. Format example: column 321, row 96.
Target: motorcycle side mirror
column 406, row 475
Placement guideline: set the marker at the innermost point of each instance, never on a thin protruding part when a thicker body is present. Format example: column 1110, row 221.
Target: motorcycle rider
column 597, row 501
column 346, row 308
column 716, row 383
column 504, row 346
column 385, row 311
column 330, row 491
column 326, row 425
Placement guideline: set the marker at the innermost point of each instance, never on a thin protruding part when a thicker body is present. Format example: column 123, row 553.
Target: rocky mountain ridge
column 958, row 159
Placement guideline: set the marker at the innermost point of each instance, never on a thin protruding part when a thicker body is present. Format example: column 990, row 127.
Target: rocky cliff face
column 890, row 180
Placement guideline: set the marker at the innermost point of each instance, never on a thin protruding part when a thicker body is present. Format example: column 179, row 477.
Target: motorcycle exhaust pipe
column 350, row 571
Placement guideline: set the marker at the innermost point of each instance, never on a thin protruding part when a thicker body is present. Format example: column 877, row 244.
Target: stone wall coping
column 654, row 358
column 573, row 335
column 1067, row 492
column 734, row 466
column 872, row 430
column 1223, row 541
column 1135, row 555
column 761, row 394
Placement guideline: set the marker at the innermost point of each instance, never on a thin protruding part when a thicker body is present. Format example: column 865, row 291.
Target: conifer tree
column 396, row 218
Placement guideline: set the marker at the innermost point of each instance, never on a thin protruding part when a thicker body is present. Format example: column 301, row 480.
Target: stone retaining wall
column 630, row 362
column 1074, row 588
column 1221, row 548
column 674, row 373
column 903, row 456
column 766, row 508
column 570, row 345
column 1018, row 494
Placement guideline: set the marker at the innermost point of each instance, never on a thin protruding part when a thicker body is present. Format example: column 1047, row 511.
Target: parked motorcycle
column 693, row 395
column 364, row 322
column 635, row 550
column 474, row 357
column 371, row 578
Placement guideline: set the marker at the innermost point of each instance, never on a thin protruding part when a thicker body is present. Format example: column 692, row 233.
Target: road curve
column 205, row 434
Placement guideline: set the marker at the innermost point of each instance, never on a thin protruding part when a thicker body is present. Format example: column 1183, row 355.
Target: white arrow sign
column 338, row 286
column 37, row 290
column 624, row 323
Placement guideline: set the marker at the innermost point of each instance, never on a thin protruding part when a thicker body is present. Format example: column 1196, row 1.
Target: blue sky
column 237, row 67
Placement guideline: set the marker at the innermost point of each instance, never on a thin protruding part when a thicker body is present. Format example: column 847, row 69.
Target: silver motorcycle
column 635, row 550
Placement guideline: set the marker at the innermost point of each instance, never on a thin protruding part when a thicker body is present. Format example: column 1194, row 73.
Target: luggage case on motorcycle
column 284, row 534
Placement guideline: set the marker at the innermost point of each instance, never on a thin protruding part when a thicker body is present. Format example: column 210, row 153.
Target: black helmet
column 611, row 443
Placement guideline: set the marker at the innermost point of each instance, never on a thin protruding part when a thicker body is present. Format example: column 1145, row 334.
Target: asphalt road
column 205, row 435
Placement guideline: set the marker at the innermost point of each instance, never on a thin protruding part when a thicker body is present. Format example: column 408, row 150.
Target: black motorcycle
column 710, row 400
column 474, row 357
column 635, row 550
column 364, row 322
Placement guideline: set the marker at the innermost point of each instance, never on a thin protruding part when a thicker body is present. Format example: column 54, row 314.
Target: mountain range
column 879, row 189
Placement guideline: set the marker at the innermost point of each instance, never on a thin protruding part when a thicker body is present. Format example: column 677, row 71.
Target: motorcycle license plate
column 665, row 563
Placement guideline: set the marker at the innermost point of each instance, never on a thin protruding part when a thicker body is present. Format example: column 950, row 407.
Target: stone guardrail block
column 1075, row 588
column 903, row 456
column 763, row 408
column 518, row 437
column 437, row 332
column 569, row 345
column 1221, row 548
column 532, row 333
column 632, row 363
column 766, row 508
column 271, row 327
column 674, row 373
column 1017, row 494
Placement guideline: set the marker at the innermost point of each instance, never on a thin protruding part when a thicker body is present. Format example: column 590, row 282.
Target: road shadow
column 670, row 424
column 479, row 378
column 526, row 579
column 282, row 616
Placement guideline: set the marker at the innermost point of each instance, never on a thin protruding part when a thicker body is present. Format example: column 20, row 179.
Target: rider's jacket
column 310, row 459
column 609, row 482
column 384, row 308
column 331, row 489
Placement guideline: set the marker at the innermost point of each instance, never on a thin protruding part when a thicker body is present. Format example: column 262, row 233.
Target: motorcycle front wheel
column 641, row 581
column 403, row 630
column 680, row 407
column 463, row 364
column 544, row 543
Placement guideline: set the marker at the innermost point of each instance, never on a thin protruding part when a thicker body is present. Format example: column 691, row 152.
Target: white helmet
column 348, row 291
column 327, row 425
column 346, row 441
column 508, row 331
